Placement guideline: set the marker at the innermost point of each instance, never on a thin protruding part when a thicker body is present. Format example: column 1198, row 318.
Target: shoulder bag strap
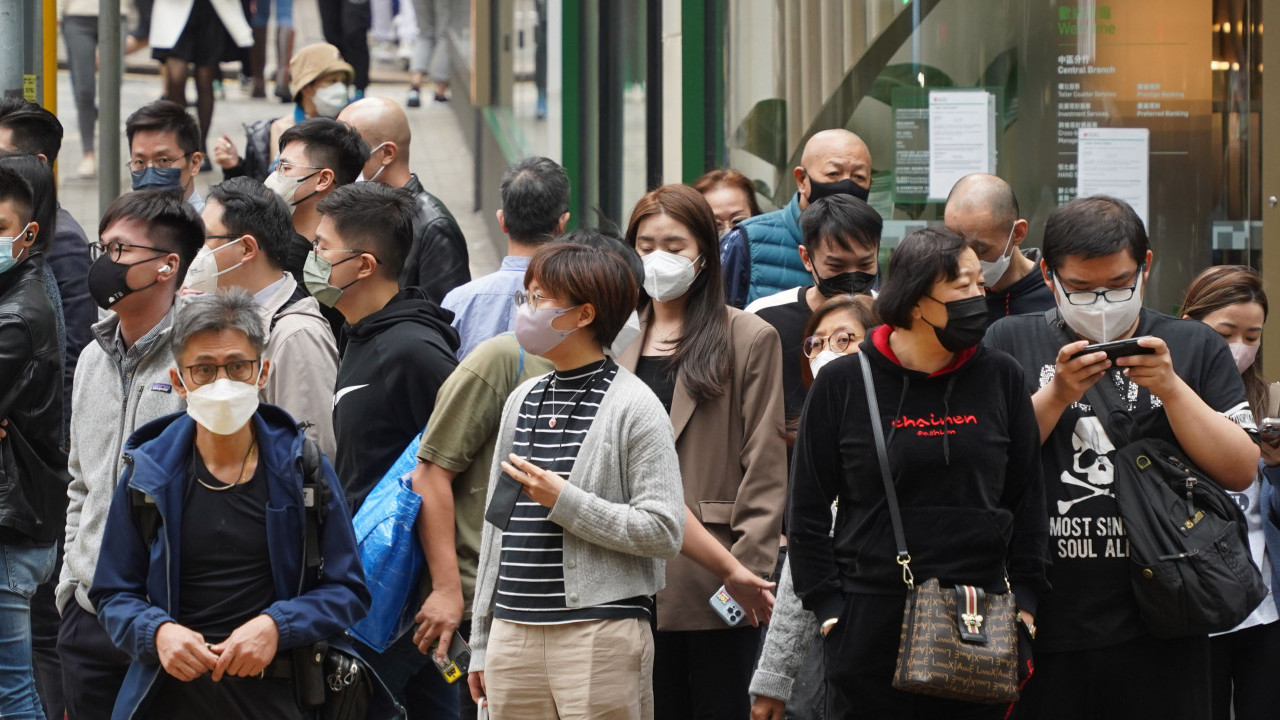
column 882, row 452
column 1103, row 408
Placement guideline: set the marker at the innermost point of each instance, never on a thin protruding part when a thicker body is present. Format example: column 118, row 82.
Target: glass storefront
column 1184, row 75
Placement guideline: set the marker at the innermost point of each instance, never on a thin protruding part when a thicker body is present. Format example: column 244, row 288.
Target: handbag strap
column 891, row 495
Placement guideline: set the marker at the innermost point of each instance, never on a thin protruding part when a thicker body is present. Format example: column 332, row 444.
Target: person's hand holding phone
column 1074, row 373
column 1153, row 371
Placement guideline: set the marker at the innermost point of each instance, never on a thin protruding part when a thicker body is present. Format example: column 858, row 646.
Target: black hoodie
column 964, row 451
column 395, row 361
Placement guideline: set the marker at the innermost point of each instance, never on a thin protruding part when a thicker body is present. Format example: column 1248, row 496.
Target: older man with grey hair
column 227, row 481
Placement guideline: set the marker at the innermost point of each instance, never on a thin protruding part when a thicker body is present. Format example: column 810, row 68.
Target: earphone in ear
column 165, row 268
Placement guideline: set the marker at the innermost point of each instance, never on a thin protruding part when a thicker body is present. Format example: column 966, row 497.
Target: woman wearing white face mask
column 320, row 80
column 211, row 622
column 718, row 371
column 835, row 329
column 1230, row 299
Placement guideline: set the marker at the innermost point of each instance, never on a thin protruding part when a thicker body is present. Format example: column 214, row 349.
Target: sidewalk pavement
column 439, row 153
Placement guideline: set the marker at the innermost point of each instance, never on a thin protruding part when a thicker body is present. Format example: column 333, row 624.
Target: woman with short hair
column 583, row 509
column 210, row 604
column 964, row 452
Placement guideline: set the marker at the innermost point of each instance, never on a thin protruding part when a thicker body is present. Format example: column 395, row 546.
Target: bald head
column 985, row 195
column 831, row 156
column 382, row 124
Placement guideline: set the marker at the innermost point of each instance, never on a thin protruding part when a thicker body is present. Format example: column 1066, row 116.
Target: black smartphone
column 1117, row 349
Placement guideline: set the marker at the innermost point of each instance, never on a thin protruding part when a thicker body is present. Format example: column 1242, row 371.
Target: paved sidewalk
column 439, row 153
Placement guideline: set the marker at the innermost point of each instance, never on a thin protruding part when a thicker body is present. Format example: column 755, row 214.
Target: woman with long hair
column 964, row 454
column 718, row 371
column 1245, row 661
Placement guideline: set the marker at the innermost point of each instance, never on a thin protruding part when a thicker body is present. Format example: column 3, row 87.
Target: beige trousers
column 594, row 670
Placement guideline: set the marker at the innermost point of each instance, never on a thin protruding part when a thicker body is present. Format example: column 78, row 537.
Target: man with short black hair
column 1092, row 648
column 27, row 127
column 758, row 256
column 148, row 239
column 247, row 239
column 33, row 474
column 317, row 156
column 840, row 250
column 535, row 209
column 164, row 149
column 437, row 260
column 399, row 344
column 984, row 210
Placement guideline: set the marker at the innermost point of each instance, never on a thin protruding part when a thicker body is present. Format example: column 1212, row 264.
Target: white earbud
column 165, row 268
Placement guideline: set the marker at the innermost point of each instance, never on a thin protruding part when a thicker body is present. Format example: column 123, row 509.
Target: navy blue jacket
column 135, row 587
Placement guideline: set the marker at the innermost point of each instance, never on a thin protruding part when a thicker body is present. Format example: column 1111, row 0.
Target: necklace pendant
column 552, row 422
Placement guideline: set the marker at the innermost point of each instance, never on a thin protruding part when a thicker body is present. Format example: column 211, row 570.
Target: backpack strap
column 298, row 294
column 315, row 501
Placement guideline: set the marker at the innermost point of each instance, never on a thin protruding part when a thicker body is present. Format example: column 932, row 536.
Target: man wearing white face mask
column 1187, row 391
column 320, row 81
column 210, row 600
column 437, row 260
column 984, row 209
column 247, row 236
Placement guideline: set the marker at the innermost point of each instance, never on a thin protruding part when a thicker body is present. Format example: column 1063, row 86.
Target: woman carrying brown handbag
column 963, row 451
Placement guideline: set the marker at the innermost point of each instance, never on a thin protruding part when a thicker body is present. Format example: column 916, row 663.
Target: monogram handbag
column 959, row 642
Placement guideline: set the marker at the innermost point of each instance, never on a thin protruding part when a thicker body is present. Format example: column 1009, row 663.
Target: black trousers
column 1246, row 666
column 1135, row 680
column 860, row 652
column 703, row 674
column 93, row 668
column 346, row 26
column 231, row 698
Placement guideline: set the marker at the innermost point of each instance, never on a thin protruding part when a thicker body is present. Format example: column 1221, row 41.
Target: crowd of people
column 648, row 479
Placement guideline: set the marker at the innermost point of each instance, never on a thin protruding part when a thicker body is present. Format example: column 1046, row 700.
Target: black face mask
column 819, row 190
column 108, row 281
column 847, row 283
column 966, row 323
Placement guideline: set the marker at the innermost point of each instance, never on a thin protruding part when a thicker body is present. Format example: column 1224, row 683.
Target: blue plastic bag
column 390, row 553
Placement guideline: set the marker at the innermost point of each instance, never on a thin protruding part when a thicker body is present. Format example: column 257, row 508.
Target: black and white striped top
column 553, row 421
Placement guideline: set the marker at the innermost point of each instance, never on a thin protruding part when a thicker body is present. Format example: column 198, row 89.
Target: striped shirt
column 553, row 421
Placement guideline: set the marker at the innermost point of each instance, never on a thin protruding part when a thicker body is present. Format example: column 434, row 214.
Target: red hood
column 880, row 336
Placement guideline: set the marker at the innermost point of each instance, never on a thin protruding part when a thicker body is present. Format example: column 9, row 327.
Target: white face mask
column 627, row 335
column 821, row 359
column 223, row 406
column 1244, row 355
column 361, row 177
column 202, row 276
column 1102, row 321
column 330, row 99
column 994, row 270
column 667, row 276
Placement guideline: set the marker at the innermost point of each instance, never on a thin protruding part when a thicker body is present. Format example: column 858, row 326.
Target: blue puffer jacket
column 759, row 256
column 135, row 587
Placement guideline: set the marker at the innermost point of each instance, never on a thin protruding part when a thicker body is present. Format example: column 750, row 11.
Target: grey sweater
column 622, row 508
column 115, row 391
column 791, row 632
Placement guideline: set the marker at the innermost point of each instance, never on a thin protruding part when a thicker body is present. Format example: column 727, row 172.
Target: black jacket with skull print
column 1092, row 605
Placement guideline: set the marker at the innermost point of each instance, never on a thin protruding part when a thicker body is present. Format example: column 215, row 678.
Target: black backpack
column 1189, row 558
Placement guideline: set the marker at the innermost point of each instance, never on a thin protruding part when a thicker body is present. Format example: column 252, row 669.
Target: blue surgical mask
column 169, row 178
column 7, row 259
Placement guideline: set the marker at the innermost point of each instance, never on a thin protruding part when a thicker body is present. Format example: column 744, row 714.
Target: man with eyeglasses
column 984, row 210
column 147, row 241
column 164, row 150
column 1092, row 650
column 399, row 344
column 247, row 237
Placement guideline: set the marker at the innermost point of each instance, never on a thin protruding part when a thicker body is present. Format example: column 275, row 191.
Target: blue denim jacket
column 135, row 587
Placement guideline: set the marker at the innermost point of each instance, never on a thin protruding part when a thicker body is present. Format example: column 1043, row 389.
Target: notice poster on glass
column 962, row 137
column 1116, row 162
